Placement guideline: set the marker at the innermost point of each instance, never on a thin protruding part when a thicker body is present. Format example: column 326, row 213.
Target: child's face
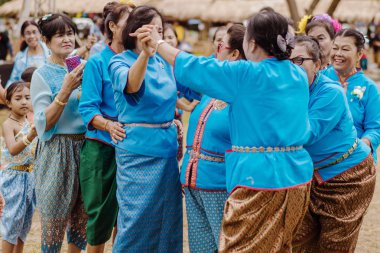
column 20, row 102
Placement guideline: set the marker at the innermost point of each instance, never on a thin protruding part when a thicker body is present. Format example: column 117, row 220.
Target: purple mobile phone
column 72, row 62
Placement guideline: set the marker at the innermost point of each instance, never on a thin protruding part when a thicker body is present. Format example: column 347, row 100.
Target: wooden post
column 292, row 5
column 332, row 7
column 311, row 8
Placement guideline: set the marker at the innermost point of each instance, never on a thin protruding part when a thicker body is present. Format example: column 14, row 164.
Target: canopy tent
column 211, row 10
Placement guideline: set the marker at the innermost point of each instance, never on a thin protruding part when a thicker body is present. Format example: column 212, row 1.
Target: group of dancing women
column 280, row 149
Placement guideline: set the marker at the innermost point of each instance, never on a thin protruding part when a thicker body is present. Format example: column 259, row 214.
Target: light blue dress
column 148, row 186
column 23, row 61
column 57, row 176
column 364, row 101
column 17, row 188
column 268, row 111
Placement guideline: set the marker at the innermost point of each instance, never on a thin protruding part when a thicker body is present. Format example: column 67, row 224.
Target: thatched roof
column 212, row 10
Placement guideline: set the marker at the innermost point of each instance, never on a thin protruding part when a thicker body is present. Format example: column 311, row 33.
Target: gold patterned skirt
column 336, row 211
column 262, row 221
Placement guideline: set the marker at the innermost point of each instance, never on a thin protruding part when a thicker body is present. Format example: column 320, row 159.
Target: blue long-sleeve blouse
column 332, row 130
column 97, row 94
column 208, row 137
column 364, row 102
column 23, row 61
column 154, row 103
column 268, row 111
column 46, row 83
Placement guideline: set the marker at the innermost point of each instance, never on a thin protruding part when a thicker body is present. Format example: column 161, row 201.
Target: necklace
column 219, row 104
column 56, row 63
column 18, row 122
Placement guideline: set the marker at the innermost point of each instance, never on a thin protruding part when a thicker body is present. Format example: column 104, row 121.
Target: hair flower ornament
column 303, row 23
column 46, row 17
column 334, row 22
column 283, row 43
column 357, row 93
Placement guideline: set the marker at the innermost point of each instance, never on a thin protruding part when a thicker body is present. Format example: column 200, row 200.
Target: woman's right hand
column 116, row 131
column 73, row 79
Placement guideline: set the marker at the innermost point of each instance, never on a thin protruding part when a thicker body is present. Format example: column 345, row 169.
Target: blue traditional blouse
column 46, row 83
column 268, row 117
column 97, row 95
column 332, row 130
column 208, row 137
column 364, row 102
column 24, row 61
column 154, row 103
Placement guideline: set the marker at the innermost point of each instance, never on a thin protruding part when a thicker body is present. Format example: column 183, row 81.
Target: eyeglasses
column 221, row 46
column 300, row 60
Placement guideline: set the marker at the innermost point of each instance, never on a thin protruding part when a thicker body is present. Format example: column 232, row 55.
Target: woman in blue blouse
column 33, row 52
column 97, row 172
column 60, row 129
column 361, row 92
column 268, row 172
column 344, row 172
column 148, row 186
column 203, row 170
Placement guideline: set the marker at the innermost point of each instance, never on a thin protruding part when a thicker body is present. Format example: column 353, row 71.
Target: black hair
column 264, row 28
column 312, row 46
column 27, row 74
column 266, row 9
column 356, row 35
column 114, row 16
column 24, row 25
column 13, row 88
column 236, row 34
column 140, row 16
column 220, row 28
column 55, row 23
column 321, row 23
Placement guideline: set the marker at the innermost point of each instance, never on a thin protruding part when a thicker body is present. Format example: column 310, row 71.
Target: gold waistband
column 73, row 136
column 265, row 149
column 148, row 125
column 340, row 159
column 194, row 154
column 25, row 168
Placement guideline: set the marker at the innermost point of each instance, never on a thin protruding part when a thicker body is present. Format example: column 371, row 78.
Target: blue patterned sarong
column 17, row 188
column 150, row 204
column 204, row 217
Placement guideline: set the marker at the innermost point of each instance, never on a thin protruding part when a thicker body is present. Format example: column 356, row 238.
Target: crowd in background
column 280, row 149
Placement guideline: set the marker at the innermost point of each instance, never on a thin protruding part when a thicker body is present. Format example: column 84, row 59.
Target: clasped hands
column 148, row 36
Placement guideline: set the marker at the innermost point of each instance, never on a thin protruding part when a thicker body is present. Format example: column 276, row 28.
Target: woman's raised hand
column 74, row 78
column 148, row 36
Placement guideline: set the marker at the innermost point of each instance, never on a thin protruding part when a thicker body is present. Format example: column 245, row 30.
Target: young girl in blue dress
column 17, row 179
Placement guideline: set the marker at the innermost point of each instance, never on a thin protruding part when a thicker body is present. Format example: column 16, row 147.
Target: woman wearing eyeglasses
column 33, row 52
column 344, row 172
column 268, row 172
column 361, row 92
column 203, row 170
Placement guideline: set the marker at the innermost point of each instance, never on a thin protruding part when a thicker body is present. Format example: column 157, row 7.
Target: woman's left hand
column 148, row 36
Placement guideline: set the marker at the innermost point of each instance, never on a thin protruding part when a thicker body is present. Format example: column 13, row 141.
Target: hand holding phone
column 72, row 62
